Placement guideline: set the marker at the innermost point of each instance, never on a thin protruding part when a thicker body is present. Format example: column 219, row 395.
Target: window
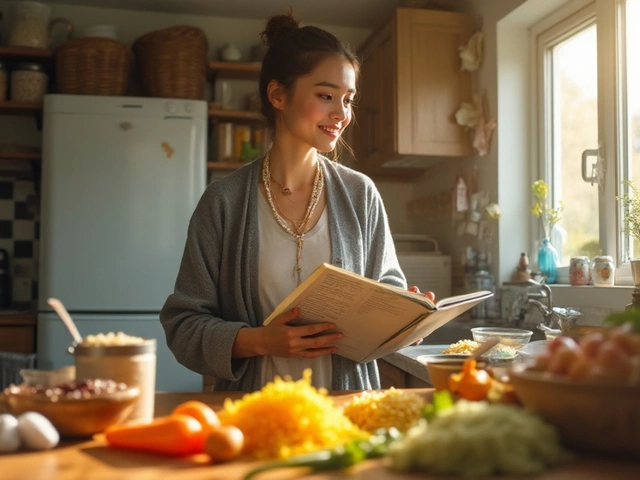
column 588, row 122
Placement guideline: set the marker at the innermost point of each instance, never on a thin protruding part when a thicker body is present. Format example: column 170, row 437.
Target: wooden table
column 93, row 460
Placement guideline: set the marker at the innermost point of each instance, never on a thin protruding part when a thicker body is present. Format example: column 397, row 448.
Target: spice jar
column 28, row 83
column 134, row 365
column 603, row 271
column 579, row 271
column 4, row 80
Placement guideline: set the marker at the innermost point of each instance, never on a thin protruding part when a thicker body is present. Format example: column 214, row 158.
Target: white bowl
column 532, row 350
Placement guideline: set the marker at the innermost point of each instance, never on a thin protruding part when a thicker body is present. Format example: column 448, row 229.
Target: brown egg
column 224, row 443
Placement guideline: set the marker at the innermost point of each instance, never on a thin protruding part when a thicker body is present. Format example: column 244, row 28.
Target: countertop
column 406, row 359
column 93, row 460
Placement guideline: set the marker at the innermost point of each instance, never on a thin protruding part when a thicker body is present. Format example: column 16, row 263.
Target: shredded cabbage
column 479, row 439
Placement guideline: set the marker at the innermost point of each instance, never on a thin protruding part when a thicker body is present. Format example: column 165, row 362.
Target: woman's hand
column 430, row 295
column 283, row 340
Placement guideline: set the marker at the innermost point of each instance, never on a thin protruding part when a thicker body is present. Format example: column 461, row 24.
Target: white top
column 277, row 279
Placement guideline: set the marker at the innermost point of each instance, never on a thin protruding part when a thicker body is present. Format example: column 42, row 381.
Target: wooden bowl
column 75, row 417
column 440, row 368
column 589, row 416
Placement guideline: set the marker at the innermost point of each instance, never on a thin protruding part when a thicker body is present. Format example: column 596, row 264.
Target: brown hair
column 295, row 51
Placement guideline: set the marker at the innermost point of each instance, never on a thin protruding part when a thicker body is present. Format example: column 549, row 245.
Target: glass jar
column 579, row 271
column 134, row 365
column 29, row 25
column 28, row 83
column 603, row 271
column 4, row 81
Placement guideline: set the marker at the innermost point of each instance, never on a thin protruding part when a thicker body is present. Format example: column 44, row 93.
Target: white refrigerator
column 121, row 177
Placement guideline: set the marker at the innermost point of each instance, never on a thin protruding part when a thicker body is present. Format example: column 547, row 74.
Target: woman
column 258, row 232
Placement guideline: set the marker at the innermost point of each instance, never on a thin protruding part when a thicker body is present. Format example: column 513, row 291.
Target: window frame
column 572, row 17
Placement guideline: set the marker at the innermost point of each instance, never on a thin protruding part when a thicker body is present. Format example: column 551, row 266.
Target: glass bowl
column 511, row 337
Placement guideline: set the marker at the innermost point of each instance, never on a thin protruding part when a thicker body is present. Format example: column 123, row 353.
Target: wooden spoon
column 66, row 319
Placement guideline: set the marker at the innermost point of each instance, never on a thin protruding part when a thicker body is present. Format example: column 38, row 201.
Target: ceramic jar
column 579, row 271
column 134, row 365
column 603, row 271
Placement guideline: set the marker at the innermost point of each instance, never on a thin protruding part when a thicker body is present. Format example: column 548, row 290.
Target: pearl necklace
column 299, row 229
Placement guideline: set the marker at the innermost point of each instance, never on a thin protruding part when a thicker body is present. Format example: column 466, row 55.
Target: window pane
column 633, row 100
column 575, row 129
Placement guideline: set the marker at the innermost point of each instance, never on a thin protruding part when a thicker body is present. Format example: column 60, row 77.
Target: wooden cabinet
column 411, row 86
column 18, row 332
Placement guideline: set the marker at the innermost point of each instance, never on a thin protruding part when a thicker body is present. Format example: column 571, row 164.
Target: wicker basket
column 172, row 62
column 92, row 66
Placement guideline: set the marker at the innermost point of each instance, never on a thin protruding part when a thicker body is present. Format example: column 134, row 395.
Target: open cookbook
column 376, row 319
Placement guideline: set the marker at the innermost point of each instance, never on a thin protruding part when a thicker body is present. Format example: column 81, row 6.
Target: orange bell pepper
column 176, row 434
column 471, row 383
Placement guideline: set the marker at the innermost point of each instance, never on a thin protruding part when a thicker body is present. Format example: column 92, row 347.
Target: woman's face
column 319, row 105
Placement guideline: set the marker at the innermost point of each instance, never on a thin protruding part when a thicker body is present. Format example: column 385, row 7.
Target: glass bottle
column 548, row 260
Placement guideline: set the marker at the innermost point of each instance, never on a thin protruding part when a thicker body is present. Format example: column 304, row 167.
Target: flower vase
column 548, row 260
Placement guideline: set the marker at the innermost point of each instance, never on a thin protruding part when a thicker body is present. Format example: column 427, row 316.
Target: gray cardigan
column 216, row 291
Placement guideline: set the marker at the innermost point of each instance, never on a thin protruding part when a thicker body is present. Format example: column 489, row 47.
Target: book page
column 464, row 298
column 428, row 325
column 366, row 313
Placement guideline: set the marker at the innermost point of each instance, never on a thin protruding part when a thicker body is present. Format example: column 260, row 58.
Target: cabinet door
column 431, row 86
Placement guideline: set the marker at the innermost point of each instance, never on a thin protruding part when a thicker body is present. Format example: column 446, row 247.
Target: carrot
column 203, row 413
column 176, row 434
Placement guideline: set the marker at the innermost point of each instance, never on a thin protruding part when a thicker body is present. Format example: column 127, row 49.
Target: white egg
column 37, row 432
column 9, row 437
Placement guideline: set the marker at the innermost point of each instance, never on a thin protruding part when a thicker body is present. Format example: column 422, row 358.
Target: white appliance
column 121, row 177
column 426, row 268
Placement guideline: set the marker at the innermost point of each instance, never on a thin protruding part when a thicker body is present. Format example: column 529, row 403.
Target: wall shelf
column 11, row 152
column 216, row 112
column 19, row 108
column 235, row 70
column 25, row 53
column 224, row 166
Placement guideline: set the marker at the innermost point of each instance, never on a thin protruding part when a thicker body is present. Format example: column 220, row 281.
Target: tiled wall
column 19, row 236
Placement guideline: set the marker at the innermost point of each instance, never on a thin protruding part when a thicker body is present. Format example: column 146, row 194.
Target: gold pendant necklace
column 286, row 191
column 299, row 231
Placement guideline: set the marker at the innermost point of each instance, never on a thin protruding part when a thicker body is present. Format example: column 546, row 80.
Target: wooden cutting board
column 93, row 460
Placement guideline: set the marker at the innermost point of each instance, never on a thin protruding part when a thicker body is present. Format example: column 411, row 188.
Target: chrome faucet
column 535, row 299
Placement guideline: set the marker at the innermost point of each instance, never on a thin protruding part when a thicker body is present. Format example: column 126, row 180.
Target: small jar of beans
column 4, row 81
column 28, row 82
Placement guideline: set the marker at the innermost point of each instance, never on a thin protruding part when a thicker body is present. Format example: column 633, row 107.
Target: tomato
column 591, row 343
column 563, row 358
column 562, row 341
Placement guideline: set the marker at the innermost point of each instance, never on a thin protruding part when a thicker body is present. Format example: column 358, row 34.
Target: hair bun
column 277, row 26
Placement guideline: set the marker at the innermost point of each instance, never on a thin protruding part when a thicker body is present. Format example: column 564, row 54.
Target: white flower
column 470, row 114
column 472, row 54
